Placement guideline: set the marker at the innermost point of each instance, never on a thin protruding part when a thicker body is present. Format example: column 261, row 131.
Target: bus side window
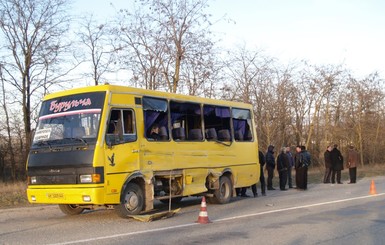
column 186, row 121
column 217, row 123
column 155, row 112
column 128, row 122
column 242, row 124
column 120, row 127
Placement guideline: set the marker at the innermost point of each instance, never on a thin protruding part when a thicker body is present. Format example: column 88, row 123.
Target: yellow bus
column 124, row 148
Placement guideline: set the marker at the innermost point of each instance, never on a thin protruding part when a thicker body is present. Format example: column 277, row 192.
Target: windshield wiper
column 44, row 143
column 81, row 139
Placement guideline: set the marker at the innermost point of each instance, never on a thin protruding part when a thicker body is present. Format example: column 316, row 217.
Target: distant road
column 325, row 214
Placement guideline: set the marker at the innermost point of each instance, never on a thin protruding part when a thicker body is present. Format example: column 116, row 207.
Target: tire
column 224, row 193
column 174, row 200
column 71, row 209
column 132, row 202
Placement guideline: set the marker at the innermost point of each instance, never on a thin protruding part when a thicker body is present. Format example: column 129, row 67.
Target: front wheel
column 132, row 202
column 225, row 191
column 71, row 209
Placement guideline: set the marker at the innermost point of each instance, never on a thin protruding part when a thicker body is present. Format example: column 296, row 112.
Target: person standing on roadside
column 328, row 164
column 282, row 166
column 352, row 160
column 270, row 166
column 262, row 176
column 302, row 162
column 337, row 164
column 242, row 191
column 291, row 165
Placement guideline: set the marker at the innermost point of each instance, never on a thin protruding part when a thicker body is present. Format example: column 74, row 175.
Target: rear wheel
column 224, row 193
column 71, row 209
column 133, row 201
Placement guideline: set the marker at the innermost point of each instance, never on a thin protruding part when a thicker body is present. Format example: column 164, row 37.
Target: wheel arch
column 136, row 178
column 212, row 179
column 147, row 188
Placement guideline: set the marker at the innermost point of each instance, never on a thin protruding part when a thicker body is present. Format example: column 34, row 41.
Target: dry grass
column 316, row 173
column 14, row 194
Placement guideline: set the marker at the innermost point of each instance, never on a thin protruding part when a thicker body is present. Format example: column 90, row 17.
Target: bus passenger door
column 122, row 148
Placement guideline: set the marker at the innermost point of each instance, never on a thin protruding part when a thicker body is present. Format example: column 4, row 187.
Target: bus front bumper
column 85, row 195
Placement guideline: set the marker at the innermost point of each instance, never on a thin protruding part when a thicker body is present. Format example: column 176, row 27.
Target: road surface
column 324, row 214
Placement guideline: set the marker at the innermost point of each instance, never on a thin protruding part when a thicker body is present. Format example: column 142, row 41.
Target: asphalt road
column 325, row 214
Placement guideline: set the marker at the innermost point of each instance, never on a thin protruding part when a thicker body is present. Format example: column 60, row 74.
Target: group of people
column 300, row 161
column 284, row 164
column 334, row 164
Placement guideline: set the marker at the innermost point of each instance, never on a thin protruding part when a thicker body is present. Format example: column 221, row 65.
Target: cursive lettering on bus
column 67, row 105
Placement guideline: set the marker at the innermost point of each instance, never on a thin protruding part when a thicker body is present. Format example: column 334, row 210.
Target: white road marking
column 218, row 220
column 298, row 207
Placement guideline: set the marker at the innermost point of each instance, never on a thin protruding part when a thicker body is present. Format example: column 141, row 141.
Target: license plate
column 55, row 195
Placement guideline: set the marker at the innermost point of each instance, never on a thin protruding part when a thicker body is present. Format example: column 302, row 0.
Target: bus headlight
column 90, row 178
column 33, row 180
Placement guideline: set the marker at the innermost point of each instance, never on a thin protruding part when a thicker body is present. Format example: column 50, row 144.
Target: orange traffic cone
column 203, row 218
column 372, row 189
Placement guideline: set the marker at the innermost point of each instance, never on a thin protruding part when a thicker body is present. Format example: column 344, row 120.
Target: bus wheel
column 224, row 193
column 71, row 209
column 133, row 201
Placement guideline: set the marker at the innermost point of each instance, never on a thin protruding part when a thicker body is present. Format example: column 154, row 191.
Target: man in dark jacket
column 282, row 167
column 262, row 176
column 270, row 166
column 291, row 166
column 337, row 164
column 302, row 162
column 242, row 191
column 328, row 165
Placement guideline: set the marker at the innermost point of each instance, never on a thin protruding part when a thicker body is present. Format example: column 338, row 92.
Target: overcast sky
column 349, row 32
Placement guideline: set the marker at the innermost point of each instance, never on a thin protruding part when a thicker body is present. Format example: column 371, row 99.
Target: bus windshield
column 68, row 120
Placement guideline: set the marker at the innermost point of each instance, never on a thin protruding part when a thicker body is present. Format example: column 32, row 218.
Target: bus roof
column 144, row 92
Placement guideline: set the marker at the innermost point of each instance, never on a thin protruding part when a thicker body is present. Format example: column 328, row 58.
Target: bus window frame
column 182, row 124
column 150, row 103
column 120, row 136
column 221, row 126
column 236, row 115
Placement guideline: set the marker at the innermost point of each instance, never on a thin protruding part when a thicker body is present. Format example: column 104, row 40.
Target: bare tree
column 252, row 78
column 7, row 124
column 163, row 35
column 364, row 102
column 33, row 32
column 141, row 48
column 318, row 83
column 99, row 50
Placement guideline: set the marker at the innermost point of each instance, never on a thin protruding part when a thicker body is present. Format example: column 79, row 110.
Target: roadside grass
column 316, row 174
column 14, row 194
